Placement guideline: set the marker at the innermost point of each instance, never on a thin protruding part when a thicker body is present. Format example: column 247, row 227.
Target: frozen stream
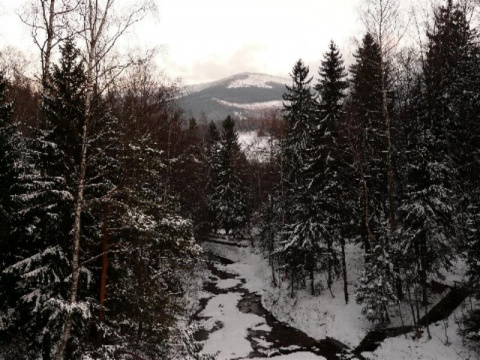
column 237, row 326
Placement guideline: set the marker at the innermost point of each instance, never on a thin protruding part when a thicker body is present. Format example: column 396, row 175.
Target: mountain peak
column 254, row 80
column 241, row 95
column 241, row 80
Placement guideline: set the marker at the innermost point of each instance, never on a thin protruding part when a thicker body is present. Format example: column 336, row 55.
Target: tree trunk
column 49, row 25
column 79, row 204
column 366, row 219
column 291, row 284
column 390, row 171
column 103, row 284
column 329, row 265
column 344, row 271
column 312, row 281
column 274, row 280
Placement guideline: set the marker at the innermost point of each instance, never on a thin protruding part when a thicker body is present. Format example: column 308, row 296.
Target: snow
column 228, row 283
column 255, row 147
column 252, row 106
column 295, row 356
column 231, row 340
column 317, row 316
column 254, row 80
column 437, row 348
column 321, row 316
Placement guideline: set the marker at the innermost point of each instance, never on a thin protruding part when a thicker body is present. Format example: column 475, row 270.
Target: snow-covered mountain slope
column 241, row 95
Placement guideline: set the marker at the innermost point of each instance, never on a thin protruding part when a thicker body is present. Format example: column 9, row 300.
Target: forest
column 108, row 191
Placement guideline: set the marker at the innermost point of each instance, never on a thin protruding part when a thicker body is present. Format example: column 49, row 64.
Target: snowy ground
column 254, row 147
column 231, row 340
column 234, row 325
column 323, row 316
column 319, row 316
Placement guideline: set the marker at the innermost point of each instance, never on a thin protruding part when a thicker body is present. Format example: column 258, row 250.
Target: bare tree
column 48, row 22
column 102, row 28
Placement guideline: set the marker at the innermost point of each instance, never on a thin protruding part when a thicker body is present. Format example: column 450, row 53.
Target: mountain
column 240, row 96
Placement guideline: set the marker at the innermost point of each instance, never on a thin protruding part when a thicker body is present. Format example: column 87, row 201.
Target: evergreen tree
column 332, row 84
column 45, row 218
column 452, row 82
column 232, row 194
column 366, row 101
column 7, row 170
column 300, row 247
column 324, row 158
column 213, row 171
column 430, row 205
column 367, row 108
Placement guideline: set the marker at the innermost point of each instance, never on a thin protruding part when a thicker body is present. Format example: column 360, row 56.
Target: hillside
column 241, row 96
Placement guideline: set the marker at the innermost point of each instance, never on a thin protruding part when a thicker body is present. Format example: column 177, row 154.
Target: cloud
column 244, row 59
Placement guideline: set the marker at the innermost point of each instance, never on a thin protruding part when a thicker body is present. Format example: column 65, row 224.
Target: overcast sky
column 204, row 40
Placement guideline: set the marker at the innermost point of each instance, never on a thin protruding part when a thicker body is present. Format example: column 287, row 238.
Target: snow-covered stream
column 240, row 288
column 237, row 326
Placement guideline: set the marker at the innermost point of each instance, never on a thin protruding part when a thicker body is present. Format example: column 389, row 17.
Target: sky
column 205, row 40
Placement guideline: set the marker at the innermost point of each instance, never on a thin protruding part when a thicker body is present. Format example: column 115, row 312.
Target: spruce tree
column 300, row 247
column 366, row 105
column 367, row 109
column 324, row 158
column 45, row 212
column 232, row 194
column 7, row 169
column 212, row 154
column 452, row 82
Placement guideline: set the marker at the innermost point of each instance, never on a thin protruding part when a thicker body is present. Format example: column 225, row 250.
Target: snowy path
column 236, row 326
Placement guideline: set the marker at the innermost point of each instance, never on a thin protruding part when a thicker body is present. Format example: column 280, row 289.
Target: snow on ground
column 318, row 316
column 322, row 316
column 252, row 106
column 296, row 356
column 255, row 148
column 406, row 347
column 228, row 283
column 230, row 341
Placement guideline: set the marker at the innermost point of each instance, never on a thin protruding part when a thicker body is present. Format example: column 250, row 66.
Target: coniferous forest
column 108, row 190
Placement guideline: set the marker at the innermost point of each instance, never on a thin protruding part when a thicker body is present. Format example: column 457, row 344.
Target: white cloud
column 208, row 39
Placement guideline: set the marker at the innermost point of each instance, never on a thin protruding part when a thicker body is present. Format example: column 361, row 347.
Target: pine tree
column 367, row 112
column 299, row 248
column 366, row 101
column 232, row 194
column 452, row 82
column 324, row 160
column 7, row 170
column 212, row 153
column 427, row 212
column 45, row 203
column 332, row 84
column 376, row 291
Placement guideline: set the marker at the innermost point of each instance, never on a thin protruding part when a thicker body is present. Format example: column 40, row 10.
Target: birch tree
column 102, row 28
column 48, row 22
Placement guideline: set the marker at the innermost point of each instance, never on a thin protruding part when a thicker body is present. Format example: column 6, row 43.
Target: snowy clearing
column 254, row 147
